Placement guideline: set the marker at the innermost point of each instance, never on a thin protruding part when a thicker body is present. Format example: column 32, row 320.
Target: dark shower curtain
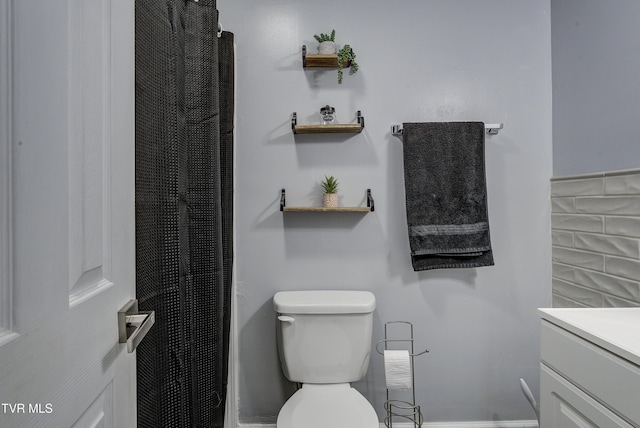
column 184, row 199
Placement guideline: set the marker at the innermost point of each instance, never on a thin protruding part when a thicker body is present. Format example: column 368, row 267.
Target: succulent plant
column 329, row 184
column 325, row 37
column 346, row 55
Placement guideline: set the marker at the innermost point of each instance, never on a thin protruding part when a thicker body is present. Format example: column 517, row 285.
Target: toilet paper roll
column 397, row 369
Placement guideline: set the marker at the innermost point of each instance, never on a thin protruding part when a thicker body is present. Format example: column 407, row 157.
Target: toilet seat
column 327, row 405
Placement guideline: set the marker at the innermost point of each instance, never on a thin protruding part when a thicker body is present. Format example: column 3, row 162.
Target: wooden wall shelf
column 320, row 60
column 326, row 210
column 370, row 206
column 348, row 128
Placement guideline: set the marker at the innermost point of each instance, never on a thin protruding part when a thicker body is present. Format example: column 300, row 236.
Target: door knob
column 133, row 325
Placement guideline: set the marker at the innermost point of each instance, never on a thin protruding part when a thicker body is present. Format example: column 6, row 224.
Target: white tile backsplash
column 563, row 205
column 625, row 268
column 579, row 187
column 583, row 259
column 624, row 226
column 614, row 302
column 562, row 238
column 582, row 295
column 612, row 205
column 565, row 272
column 585, row 223
column 608, row 284
column 595, row 226
column 558, row 301
column 606, row 244
column 622, row 185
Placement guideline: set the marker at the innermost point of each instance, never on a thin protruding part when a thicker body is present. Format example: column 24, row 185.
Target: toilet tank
column 324, row 336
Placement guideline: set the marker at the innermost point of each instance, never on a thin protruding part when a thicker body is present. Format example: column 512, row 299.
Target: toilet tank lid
column 324, row 302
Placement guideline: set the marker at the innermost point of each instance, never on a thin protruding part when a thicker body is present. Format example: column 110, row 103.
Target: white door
column 67, row 193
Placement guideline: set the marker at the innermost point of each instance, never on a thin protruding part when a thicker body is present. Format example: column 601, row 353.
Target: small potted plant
column 346, row 57
column 327, row 42
column 330, row 187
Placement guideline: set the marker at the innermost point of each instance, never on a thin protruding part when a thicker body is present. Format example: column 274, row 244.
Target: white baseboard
column 476, row 424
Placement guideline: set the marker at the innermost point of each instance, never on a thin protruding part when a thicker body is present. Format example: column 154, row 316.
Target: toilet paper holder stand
column 404, row 409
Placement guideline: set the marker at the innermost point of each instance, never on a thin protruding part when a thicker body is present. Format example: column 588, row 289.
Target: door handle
column 133, row 325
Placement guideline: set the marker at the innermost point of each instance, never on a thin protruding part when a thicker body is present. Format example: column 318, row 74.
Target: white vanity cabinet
column 590, row 368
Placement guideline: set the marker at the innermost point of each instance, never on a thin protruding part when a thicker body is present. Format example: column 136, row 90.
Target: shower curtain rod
column 492, row 128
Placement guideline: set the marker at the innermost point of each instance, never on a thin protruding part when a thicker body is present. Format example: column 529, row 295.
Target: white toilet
column 324, row 341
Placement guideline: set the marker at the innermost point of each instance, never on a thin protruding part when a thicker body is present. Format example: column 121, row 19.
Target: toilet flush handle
column 285, row 318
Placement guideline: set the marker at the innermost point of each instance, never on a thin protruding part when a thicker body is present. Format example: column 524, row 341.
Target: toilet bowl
column 324, row 343
column 328, row 405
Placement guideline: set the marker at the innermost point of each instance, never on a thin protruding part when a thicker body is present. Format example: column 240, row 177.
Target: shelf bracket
column 360, row 118
column 304, row 55
column 370, row 199
column 282, row 202
column 294, row 121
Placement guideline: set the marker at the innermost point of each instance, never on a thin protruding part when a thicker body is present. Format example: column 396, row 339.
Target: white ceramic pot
column 327, row 47
column 330, row 200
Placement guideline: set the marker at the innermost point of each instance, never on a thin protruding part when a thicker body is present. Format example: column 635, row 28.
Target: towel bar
column 492, row 129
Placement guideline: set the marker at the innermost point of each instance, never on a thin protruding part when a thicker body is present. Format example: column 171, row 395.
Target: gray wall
column 435, row 60
column 596, row 89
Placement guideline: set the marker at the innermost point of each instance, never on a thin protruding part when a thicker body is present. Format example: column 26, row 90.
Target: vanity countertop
column 614, row 329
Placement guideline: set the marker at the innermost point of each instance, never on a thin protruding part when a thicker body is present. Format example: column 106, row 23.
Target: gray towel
column 446, row 195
